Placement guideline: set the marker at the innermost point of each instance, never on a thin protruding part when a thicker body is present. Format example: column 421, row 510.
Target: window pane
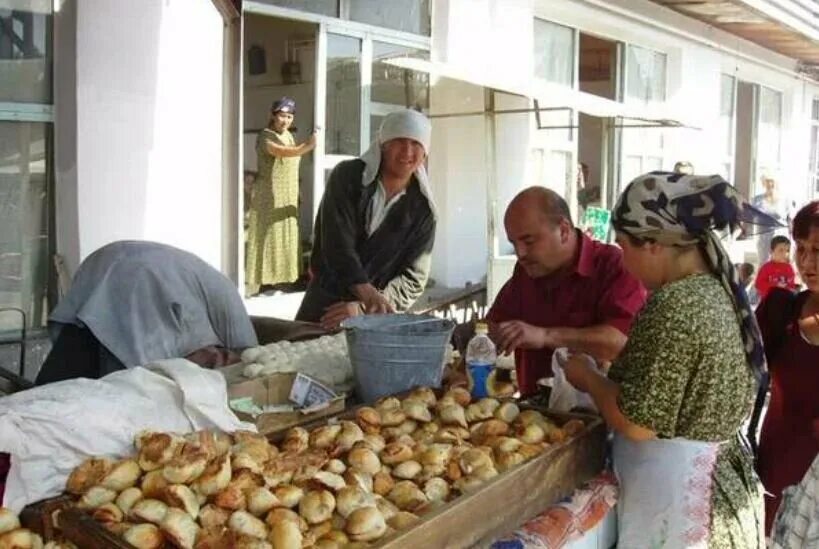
column 632, row 168
column 343, row 95
column 322, row 7
column 24, row 252
column 645, row 75
column 403, row 15
column 726, row 114
column 769, row 129
column 25, row 51
column 394, row 88
column 554, row 52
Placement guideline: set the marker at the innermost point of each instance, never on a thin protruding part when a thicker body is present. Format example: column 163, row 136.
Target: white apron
column 665, row 492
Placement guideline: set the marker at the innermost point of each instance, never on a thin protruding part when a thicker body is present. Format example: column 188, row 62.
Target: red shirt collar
column 585, row 259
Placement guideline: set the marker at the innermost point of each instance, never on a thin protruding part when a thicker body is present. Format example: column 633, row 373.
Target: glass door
column 359, row 88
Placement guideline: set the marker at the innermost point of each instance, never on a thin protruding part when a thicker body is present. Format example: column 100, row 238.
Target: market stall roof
column 547, row 95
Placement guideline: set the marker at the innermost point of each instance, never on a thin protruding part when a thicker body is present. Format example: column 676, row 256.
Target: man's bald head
column 542, row 200
column 539, row 225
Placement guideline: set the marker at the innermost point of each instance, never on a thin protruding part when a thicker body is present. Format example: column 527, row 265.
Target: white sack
column 50, row 429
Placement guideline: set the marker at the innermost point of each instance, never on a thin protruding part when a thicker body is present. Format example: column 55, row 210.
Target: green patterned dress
column 272, row 251
column 683, row 373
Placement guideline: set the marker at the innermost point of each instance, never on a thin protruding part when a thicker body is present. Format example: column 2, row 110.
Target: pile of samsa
column 13, row 536
column 344, row 484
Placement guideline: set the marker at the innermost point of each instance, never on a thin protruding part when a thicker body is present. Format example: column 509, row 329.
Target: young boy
column 778, row 272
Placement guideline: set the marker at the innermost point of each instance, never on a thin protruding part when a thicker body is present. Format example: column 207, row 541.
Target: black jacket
column 395, row 258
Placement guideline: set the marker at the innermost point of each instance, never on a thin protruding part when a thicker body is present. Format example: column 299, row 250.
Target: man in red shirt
column 567, row 290
column 778, row 271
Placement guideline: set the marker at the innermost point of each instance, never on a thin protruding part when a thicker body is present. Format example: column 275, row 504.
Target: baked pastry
column 144, row 536
column 436, row 489
column 95, row 497
column 425, row 395
column 508, row 412
column 286, row 535
column 127, row 498
column 215, row 477
column 368, row 419
column 153, row 484
column 8, row 520
column 149, row 510
column 366, row 524
column 416, row 410
column 288, row 495
column 123, row 474
column 453, row 415
column 364, row 460
column 179, row 528
column 351, row 498
column 108, row 513
column 182, row 497
column 87, row 474
column 402, row 520
column 407, row 496
column 396, row 452
column 246, row 524
column 317, row 506
column 212, row 517
column 407, row 470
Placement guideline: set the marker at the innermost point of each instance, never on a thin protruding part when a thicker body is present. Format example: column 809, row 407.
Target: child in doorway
column 778, row 271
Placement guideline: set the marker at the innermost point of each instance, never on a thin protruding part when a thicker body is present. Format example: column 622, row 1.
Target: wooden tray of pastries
column 423, row 470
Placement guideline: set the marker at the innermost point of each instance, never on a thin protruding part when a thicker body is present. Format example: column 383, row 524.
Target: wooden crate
column 494, row 509
column 40, row 517
column 513, row 497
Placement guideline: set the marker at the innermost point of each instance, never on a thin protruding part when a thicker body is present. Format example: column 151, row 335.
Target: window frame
column 41, row 113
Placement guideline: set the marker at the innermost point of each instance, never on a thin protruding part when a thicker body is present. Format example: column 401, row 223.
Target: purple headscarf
column 284, row 104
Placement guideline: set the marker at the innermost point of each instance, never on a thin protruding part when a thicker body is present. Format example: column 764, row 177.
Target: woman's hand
column 578, row 370
column 338, row 313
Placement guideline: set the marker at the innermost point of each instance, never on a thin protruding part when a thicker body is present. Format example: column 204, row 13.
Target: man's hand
column 338, row 313
column 516, row 334
column 373, row 301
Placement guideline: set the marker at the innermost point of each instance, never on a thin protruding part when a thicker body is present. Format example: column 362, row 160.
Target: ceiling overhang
column 788, row 27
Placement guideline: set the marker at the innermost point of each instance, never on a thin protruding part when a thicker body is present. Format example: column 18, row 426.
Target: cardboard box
column 274, row 390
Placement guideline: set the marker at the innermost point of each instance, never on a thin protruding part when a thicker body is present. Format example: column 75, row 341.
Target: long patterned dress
column 683, row 373
column 273, row 225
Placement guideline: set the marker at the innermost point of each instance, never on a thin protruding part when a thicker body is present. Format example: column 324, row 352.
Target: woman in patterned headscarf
column 677, row 395
column 273, row 225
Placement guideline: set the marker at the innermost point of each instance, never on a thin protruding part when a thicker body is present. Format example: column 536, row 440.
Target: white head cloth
column 408, row 124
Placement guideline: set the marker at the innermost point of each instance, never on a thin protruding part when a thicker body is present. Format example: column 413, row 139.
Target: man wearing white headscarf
column 375, row 228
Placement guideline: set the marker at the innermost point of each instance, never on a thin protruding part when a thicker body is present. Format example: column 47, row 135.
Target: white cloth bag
column 50, row 429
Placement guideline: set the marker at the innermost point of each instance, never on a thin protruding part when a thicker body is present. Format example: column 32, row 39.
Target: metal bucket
column 394, row 353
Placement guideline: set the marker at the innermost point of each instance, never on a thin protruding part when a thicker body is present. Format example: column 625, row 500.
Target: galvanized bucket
column 394, row 353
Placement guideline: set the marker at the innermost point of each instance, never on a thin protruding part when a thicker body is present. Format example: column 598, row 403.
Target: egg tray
column 475, row 518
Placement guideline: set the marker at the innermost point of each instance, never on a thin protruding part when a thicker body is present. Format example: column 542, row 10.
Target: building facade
column 137, row 119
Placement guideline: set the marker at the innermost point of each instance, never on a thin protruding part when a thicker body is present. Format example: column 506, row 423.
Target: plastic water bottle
column 480, row 361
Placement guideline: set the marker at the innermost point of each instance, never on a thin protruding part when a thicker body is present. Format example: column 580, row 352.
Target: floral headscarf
column 683, row 210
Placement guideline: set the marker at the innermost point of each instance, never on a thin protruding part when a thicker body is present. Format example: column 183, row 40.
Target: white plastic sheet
column 564, row 397
column 49, row 430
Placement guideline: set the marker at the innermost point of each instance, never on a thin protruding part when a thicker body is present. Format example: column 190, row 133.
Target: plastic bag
column 564, row 397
